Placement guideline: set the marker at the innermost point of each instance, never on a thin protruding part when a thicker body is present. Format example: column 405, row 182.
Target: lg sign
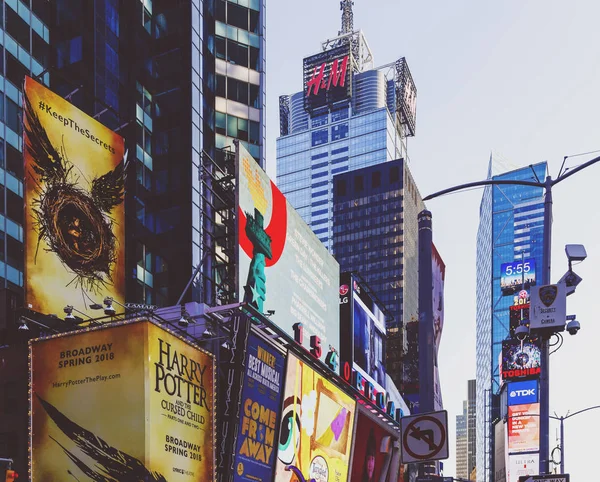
column 520, row 393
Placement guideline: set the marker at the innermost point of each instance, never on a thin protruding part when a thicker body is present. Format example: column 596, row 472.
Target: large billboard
column 327, row 77
column 406, row 97
column 520, row 359
column 74, row 211
column 524, row 428
column 317, row 421
column 523, row 392
column 438, row 276
column 522, row 464
column 128, row 402
column 376, row 454
column 500, row 452
column 261, row 399
column 517, row 276
column 284, row 271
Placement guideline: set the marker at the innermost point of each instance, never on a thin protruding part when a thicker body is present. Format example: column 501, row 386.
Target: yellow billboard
column 315, row 434
column 128, row 402
column 74, row 212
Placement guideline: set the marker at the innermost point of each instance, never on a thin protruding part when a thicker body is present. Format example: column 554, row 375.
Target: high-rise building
column 471, row 425
column 375, row 233
column 350, row 115
column 461, row 444
column 510, row 231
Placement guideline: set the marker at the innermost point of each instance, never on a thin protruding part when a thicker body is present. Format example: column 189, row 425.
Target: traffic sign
column 424, row 437
column 545, row 478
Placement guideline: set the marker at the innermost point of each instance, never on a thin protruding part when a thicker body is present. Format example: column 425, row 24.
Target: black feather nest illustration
column 111, row 464
column 74, row 223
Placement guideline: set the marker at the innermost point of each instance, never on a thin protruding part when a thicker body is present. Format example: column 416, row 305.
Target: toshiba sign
column 520, row 393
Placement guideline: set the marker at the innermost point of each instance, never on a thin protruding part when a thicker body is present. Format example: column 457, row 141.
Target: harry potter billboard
column 128, row 402
column 74, row 212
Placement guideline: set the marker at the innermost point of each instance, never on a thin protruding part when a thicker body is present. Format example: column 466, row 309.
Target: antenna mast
column 347, row 16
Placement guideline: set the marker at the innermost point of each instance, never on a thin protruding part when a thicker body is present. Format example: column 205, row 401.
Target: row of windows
column 237, row 53
column 241, row 13
column 243, row 129
column 238, row 90
column 237, row 34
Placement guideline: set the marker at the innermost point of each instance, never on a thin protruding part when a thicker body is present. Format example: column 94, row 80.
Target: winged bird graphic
column 111, row 465
column 74, row 224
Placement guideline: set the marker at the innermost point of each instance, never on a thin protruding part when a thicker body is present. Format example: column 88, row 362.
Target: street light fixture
column 576, row 253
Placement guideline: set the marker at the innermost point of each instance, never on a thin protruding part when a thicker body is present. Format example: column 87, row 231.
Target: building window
column 376, row 179
column 320, row 137
column 358, row 183
column 339, row 131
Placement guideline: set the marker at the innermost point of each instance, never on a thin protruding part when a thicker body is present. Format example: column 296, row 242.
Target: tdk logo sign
column 522, row 392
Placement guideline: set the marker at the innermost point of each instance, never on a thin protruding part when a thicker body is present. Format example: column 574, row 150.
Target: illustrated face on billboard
column 74, row 211
column 520, row 360
column 516, row 276
column 524, row 428
column 128, row 402
column 373, row 451
column 369, row 336
column 315, row 435
column 439, row 273
column 283, row 267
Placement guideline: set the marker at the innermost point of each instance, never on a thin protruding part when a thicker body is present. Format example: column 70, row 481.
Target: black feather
column 48, row 163
column 108, row 190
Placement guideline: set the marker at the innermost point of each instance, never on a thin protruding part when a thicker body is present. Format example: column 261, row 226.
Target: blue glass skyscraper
column 511, row 222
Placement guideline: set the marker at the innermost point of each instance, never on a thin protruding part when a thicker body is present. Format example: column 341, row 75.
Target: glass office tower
column 511, row 221
column 461, row 470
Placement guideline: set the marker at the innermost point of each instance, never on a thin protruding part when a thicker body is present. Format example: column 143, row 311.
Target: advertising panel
column 519, row 465
column 74, row 212
column 317, row 420
column 284, row 270
column 261, row 399
column 520, row 360
column 524, row 428
column 519, row 314
column 128, row 402
column 500, row 452
column 516, row 276
column 376, row 454
column 438, row 276
column 406, row 96
column 523, row 392
column 327, row 77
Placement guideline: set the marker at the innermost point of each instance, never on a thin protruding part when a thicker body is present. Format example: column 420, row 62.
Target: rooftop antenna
column 347, row 16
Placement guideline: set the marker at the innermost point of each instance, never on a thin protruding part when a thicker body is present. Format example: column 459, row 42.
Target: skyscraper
column 510, row 231
column 461, row 444
column 375, row 234
column 471, row 425
column 350, row 115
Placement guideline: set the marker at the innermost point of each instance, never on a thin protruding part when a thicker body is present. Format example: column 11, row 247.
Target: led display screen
column 520, row 360
column 327, row 78
column 317, row 420
column 284, row 271
column 128, row 402
column 524, row 428
column 74, row 212
column 516, row 276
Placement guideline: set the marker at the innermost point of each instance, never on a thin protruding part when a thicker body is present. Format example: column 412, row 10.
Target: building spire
column 347, row 16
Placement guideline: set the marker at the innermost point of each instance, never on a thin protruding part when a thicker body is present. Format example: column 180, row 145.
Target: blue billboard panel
column 517, row 276
column 520, row 393
column 261, row 399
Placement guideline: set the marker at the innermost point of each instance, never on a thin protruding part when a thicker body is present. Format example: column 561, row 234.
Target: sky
column 517, row 78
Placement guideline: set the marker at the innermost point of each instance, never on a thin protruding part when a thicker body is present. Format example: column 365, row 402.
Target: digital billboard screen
column 261, row 400
column 522, row 392
column 327, row 77
column 283, row 269
column 317, row 421
column 520, row 360
column 516, row 276
column 74, row 222
column 522, row 464
column 518, row 314
column 375, row 447
column 127, row 402
column 524, row 428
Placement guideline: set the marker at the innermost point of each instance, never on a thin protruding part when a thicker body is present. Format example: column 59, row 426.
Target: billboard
column 520, row 359
column 522, row 392
column 406, row 97
column 127, row 402
column 261, row 399
column 518, row 314
column 316, row 427
column 284, row 270
column 516, row 276
column 438, row 277
column 327, row 77
column 74, row 212
column 500, row 452
column 524, row 428
column 519, row 465
column 376, row 453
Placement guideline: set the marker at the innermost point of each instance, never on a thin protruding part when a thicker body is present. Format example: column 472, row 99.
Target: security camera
column 573, row 327
column 521, row 332
column 571, row 280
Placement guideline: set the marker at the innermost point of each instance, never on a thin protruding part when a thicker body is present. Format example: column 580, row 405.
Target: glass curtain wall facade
column 510, row 229
column 314, row 148
column 375, row 234
column 471, row 425
column 461, row 444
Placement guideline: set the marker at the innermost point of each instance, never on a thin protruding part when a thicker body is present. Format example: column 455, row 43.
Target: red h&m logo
column 337, row 76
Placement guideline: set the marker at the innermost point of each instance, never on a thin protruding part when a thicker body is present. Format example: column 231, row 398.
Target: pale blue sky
column 521, row 79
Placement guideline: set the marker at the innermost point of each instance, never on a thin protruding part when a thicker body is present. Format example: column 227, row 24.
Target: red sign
column 323, row 78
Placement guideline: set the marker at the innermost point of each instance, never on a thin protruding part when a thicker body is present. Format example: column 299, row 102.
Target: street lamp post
column 547, row 185
column 562, row 433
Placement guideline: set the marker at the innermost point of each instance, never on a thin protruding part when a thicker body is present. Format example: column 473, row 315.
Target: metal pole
column 545, row 342
column 562, row 445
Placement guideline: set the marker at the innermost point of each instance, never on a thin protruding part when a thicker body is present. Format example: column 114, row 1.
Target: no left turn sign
column 424, row 437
